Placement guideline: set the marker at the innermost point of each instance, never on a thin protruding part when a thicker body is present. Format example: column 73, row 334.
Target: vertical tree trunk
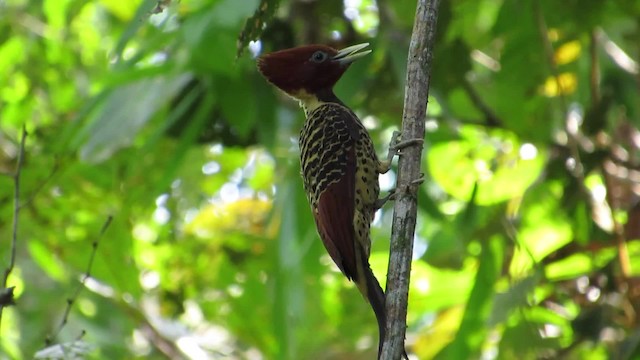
column 405, row 210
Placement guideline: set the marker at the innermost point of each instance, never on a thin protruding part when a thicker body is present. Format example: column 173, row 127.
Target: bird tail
column 376, row 298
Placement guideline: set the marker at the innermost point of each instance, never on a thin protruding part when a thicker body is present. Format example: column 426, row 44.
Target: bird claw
column 403, row 144
column 418, row 181
column 393, row 150
column 380, row 202
column 395, row 139
column 395, row 145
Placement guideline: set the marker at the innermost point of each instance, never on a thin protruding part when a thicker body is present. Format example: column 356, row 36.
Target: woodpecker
column 340, row 167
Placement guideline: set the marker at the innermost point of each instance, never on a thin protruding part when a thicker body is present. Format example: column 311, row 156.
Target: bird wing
column 329, row 172
column 334, row 218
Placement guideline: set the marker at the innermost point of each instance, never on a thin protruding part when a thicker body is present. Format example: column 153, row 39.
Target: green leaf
column 238, row 105
column 505, row 303
column 255, row 25
column 289, row 296
column 120, row 118
column 47, row 260
column 123, row 9
column 473, row 329
column 502, row 167
column 544, row 227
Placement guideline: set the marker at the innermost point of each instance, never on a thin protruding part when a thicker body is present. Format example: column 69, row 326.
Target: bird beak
column 350, row 54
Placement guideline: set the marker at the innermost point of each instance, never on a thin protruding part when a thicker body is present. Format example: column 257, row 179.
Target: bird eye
column 319, row 56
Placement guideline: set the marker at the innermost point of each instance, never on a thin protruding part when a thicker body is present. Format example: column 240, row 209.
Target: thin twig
column 44, row 182
column 76, row 349
column 419, row 66
column 16, row 213
column 490, row 117
column 594, row 71
column 618, row 228
column 543, row 32
column 164, row 344
column 87, row 274
column 577, row 169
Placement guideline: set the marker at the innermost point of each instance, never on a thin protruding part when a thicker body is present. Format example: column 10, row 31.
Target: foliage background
column 527, row 241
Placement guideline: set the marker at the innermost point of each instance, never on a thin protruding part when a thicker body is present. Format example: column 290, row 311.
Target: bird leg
column 395, row 145
column 385, row 165
column 406, row 143
column 378, row 204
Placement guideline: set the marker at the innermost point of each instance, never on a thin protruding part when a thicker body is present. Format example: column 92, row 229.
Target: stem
column 87, row 274
column 14, row 231
column 409, row 169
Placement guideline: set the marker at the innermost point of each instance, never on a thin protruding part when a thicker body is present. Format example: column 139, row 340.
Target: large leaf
column 501, row 166
column 474, row 326
column 119, row 118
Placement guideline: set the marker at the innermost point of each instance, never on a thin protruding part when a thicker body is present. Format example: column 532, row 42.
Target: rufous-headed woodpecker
column 339, row 163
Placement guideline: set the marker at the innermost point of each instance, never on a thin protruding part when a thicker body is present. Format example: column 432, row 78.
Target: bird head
column 308, row 69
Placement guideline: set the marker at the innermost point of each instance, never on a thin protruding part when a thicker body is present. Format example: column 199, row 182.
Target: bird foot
column 403, row 144
column 418, row 181
column 406, row 143
column 380, row 202
column 394, row 193
column 395, row 145
column 393, row 151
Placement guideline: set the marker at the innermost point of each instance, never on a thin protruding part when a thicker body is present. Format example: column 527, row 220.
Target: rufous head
column 310, row 69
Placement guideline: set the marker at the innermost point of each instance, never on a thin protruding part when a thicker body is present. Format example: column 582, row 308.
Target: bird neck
column 311, row 101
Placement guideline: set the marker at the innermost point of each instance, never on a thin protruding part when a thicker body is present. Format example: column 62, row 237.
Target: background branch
column 490, row 117
column 409, row 169
column 6, row 294
column 87, row 274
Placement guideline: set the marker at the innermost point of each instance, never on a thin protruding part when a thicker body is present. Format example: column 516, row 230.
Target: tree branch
column 7, row 293
column 490, row 117
column 87, row 274
column 419, row 66
column 44, row 182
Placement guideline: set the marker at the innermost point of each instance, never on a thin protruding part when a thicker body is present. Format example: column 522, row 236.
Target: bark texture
column 409, row 169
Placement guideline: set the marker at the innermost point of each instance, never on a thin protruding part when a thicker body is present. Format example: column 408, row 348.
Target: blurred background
column 528, row 233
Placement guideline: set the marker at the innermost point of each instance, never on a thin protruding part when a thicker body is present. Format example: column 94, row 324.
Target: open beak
column 350, row 54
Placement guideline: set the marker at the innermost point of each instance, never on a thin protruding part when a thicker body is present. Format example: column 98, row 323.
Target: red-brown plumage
column 313, row 68
column 293, row 70
column 339, row 165
column 334, row 219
